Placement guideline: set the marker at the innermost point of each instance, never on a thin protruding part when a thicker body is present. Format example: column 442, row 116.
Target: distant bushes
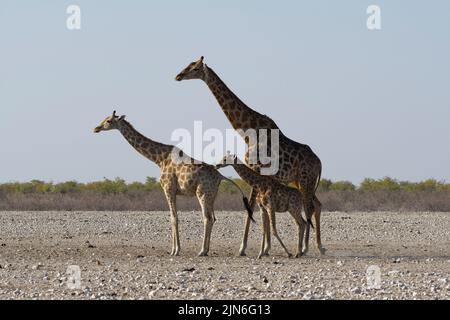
column 105, row 186
column 385, row 184
column 385, row 194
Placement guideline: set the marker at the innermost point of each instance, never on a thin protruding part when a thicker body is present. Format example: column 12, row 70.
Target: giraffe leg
column 308, row 205
column 307, row 227
column 252, row 201
column 264, row 222
column 208, row 222
column 275, row 232
column 171, row 199
column 267, row 233
column 297, row 214
column 317, row 212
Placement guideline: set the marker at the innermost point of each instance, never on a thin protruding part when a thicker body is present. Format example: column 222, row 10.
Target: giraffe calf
column 271, row 196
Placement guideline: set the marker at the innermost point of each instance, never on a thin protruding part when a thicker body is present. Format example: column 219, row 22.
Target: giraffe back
column 190, row 178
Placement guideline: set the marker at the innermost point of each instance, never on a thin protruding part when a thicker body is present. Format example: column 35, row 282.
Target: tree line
column 120, row 186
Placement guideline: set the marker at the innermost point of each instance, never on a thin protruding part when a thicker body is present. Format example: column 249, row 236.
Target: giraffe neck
column 238, row 113
column 248, row 175
column 152, row 150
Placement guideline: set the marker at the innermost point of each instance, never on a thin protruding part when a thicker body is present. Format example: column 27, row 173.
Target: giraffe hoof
column 298, row 255
column 322, row 250
column 260, row 256
column 203, row 254
column 242, row 254
column 289, row 255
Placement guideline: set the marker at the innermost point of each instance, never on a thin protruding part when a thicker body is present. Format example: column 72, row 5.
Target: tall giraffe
column 179, row 175
column 298, row 164
column 271, row 196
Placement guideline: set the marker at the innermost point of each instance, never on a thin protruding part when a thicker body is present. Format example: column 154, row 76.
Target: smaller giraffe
column 271, row 196
column 179, row 175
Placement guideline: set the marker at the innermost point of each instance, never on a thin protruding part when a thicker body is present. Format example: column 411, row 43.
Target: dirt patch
column 125, row 255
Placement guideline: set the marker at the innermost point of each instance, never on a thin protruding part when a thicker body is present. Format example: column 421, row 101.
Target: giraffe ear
column 201, row 59
column 122, row 117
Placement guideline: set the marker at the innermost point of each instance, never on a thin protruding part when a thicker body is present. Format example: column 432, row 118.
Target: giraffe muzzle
column 179, row 77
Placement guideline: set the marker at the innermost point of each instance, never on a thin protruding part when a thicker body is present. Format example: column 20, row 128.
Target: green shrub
column 324, row 185
column 386, row 183
column 342, row 186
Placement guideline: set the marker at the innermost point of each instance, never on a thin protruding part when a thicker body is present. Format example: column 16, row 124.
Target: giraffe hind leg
column 308, row 206
column 275, row 232
column 317, row 212
column 252, row 201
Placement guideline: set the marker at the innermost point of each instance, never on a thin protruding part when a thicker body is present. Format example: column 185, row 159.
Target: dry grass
column 398, row 200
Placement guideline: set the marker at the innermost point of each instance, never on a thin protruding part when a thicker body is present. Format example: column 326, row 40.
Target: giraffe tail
column 315, row 190
column 248, row 208
column 244, row 199
column 318, row 180
column 310, row 223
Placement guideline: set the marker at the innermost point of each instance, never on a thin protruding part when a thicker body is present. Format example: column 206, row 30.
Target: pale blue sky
column 369, row 103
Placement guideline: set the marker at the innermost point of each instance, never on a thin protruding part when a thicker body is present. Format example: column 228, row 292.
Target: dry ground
column 124, row 255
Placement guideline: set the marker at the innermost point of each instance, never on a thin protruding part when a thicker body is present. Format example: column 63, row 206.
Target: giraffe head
column 195, row 70
column 111, row 122
column 228, row 160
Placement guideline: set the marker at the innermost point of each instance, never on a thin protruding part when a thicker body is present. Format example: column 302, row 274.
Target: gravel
column 125, row 255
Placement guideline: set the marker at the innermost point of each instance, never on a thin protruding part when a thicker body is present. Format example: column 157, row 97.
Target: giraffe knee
column 209, row 219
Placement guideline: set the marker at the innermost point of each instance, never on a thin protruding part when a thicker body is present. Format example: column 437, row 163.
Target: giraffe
column 179, row 175
column 271, row 196
column 298, row 164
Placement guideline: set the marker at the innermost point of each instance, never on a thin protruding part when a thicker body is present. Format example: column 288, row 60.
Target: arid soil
column 125, row 255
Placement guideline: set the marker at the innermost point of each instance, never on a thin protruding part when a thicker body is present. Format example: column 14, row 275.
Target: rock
column 355, row 290
column 37, row 266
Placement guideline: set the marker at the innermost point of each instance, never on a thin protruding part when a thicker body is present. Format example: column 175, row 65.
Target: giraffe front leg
column 252, row 202
column 207, row 205
column 171, row 200
column 208, row 222
column 175, row 232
